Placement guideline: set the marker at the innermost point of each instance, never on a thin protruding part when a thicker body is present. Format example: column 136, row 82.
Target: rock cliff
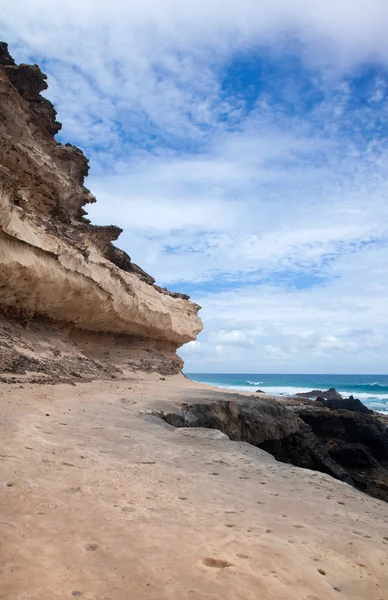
column 58, row 272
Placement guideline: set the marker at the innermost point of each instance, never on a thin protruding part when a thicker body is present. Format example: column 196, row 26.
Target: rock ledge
column 55, row 265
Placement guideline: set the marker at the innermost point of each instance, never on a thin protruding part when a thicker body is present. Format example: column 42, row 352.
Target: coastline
column 371, row 389
column 100, row 500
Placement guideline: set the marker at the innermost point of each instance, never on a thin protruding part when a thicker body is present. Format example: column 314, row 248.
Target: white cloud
column 194, row 345
column 157, row 60
column 233, row 215
column 334, row 328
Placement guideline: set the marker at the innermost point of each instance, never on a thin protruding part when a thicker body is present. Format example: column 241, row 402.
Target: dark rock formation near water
column 355, row 438
column 353, row 404
column 241, row 418
column 345, row 443
column 330, row 394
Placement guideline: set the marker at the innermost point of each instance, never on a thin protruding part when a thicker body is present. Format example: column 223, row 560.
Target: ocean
column 372, row 390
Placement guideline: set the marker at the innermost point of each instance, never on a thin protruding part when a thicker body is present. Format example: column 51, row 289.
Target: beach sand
column 102, row 501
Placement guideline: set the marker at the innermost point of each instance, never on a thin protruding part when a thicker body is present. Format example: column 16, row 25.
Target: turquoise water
column 372, row 390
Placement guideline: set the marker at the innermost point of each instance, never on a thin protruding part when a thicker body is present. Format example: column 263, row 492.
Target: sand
column 100, row 501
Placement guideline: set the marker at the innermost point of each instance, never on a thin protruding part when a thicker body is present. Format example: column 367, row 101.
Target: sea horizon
column 371, row 389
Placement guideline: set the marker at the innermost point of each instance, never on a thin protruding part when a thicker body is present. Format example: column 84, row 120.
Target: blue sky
column 243, row 148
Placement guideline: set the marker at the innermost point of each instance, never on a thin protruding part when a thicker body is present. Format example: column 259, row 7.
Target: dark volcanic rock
column 262, row 422
column 330, row 394
column 350, row 446
column 5, row 57
column 356, row 441
column 349, row 427
column 352, row 456
column 123, row 261
column 241, row 418
column 164, row 290
column 303, row 449
column 350, row 403
column 30, row 81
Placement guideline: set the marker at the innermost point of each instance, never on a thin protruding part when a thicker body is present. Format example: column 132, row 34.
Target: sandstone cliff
column 59, row 275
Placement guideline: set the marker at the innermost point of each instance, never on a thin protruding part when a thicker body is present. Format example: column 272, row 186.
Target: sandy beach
column 103, row 501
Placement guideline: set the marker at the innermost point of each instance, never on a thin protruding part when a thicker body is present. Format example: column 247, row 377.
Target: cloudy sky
column 242, row 145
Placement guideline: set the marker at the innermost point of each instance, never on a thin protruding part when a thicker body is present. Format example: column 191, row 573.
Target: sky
column 242, row 146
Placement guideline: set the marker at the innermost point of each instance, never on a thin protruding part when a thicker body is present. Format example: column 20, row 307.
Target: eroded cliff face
column 57, row 271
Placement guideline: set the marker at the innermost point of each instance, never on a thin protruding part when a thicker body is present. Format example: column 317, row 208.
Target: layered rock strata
column 54, row 265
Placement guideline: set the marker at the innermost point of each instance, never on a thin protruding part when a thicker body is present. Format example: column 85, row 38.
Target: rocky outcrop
column 330, row 394
column 55, row 265
column 355, row 440
column 30, row 82
column 350, row 446
column 352, row 404
column 241, row 418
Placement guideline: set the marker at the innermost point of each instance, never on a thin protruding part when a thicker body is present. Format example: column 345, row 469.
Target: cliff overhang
column 54, row 264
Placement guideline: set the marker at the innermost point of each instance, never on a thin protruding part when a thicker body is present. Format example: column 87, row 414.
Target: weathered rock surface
column 330, row 394
column 54, row 264
column 241, row 418
column 357, row 441
column 350, row 403
column 350, row 446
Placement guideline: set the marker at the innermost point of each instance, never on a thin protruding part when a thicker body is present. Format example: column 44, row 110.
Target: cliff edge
column 60, row 275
